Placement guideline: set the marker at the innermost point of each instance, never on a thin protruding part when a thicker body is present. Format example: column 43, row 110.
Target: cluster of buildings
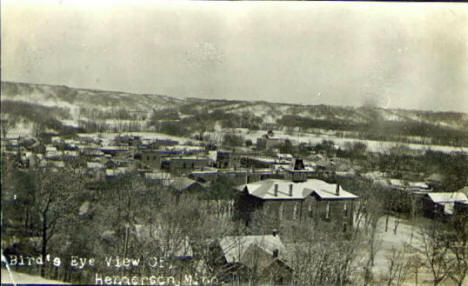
column 281, row 188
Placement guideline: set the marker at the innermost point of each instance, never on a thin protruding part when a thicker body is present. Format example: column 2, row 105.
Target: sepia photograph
column 234, row 143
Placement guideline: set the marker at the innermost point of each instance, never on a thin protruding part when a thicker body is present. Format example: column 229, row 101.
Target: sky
column 392, row 55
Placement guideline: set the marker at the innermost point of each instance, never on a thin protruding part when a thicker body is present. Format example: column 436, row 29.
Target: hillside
column 64, row 109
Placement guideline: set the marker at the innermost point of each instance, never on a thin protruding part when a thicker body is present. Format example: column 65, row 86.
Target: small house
column 437, row 205
column 253, row 258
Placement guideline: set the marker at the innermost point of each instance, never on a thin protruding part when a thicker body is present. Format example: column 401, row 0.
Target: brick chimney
column 274, row 232
column 337, row 190
column 290, row 190
column 275, row 253
column 276, row 190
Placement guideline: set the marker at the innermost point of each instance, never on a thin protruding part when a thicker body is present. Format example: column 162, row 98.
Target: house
column 258, row 258
column 442, row 204
column 306, row 201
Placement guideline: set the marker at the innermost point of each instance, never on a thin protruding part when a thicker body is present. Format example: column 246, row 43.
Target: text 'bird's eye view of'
column 236, row 143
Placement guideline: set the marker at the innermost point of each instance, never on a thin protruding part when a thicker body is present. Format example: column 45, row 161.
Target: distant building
column 435, row 180
column 227, row 160
column 154, row 158
column 269, row 141
column 184, row 164
column 297, row 172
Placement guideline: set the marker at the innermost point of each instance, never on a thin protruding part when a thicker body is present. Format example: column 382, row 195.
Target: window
column 281, row 211
column 327, row 211
column 295, row 211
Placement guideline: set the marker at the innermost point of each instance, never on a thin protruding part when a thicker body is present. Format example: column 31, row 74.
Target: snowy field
column 12, row 277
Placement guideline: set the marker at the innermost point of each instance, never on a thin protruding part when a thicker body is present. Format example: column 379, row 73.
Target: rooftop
column 235, row 247
column 299, row 190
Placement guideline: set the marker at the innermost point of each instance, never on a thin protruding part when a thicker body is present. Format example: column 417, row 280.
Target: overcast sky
column 406, row 55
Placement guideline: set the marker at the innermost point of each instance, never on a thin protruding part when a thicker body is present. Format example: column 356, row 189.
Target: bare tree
column 458, row 248
column 434, row 248
column 398, row 266
column 53, row 201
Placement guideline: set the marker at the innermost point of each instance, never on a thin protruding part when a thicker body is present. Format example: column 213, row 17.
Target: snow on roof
column 435, row 177
column 447, row 197
column 266, row 190
column 300, row 190
column 420, row 185
column 235, row 247
column 327, row 191
column 447, row 200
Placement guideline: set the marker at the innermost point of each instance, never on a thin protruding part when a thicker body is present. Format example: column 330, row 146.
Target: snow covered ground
column 13, row 277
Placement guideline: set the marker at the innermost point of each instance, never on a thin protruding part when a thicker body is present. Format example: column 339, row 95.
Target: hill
column 65, row 109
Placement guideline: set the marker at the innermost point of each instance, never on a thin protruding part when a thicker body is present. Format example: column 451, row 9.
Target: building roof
column 182, row 183
column 300, row 190
column 464, row 190
column 447, row 197
column 447, row 200
column 266, row 190
column 235, row 248
column 435, row 177
column 326, row 191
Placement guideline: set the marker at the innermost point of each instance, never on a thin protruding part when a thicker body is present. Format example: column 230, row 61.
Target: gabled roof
column 326, row 191
column 435, row 177
column 236, row 248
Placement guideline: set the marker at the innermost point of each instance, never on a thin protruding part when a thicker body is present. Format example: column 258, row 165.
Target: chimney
column 276, row 190
column 337, row 190
column 275, row 253
column 290, row 190
column 274, row 232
